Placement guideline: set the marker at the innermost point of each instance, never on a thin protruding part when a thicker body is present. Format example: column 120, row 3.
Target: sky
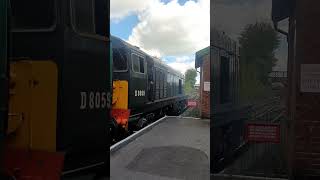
column 173, row 30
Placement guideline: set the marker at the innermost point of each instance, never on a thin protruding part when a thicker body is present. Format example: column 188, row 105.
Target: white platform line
column 132, row 137
column 81, row 169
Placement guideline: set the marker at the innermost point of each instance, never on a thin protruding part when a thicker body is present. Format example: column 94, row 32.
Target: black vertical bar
column 3, row 73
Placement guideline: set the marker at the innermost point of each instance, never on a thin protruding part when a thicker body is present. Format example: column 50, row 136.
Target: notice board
column 262, row 132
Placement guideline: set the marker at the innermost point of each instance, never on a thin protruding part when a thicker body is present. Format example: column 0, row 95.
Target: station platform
column 171, row 149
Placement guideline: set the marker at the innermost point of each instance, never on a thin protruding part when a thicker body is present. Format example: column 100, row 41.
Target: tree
column 190, row 80
column 258, row 43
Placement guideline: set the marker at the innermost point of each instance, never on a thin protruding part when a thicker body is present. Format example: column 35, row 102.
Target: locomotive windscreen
column 119, row 59
column 23, row 17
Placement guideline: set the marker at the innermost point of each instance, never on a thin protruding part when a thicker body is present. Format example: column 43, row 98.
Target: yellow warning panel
column 33, row 105
column 120, row 95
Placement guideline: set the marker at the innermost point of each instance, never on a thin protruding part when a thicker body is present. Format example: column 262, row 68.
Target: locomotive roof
column 119, row 42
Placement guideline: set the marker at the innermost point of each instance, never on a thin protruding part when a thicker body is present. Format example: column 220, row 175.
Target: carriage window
column 180, row 86
column 137, row 64
column 120, row 62
column 90, row 16
column 157, row 79
column 23, row 18
column 141, row 61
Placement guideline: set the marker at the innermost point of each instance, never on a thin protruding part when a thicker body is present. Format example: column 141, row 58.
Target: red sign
column 192, row 103
column 262, row 132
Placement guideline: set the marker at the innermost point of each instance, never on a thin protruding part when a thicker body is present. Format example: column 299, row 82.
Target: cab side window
column 138, row 64
column 90, row 16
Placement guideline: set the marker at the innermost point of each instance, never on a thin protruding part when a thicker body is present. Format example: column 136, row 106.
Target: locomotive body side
column 153, row 88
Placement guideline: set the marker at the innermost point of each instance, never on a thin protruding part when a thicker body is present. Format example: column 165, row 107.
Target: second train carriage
column 143, row 87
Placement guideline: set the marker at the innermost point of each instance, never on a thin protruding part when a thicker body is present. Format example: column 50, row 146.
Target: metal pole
column 291, row 93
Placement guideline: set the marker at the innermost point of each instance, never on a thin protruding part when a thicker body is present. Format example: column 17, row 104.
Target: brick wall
column 205, row 96
column 306, row 111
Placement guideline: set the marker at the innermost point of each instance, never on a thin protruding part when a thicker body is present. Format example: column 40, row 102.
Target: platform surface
column 176, row 148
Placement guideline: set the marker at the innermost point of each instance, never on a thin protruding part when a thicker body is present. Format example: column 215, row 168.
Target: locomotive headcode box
column 262, row 132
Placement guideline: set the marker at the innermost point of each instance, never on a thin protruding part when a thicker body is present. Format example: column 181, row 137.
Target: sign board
column 192, row 103
column 262, row 132
column 310, row 78
column 206, row 86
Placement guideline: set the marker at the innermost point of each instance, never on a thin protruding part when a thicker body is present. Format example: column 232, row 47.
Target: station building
column 225, row 62
column 203, row 62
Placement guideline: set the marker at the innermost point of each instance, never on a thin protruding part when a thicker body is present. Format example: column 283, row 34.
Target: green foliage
column 192, row 112
column 258, row 43
column 190, row 80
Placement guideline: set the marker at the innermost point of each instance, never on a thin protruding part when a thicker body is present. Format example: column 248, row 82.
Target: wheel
column 114, row 130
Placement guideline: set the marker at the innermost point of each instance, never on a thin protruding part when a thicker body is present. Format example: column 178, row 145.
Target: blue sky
column 124, row 27
column 163, row 28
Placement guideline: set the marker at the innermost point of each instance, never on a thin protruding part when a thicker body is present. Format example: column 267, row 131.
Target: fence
column 265, row 159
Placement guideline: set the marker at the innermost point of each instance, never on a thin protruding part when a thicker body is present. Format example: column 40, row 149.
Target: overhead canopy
column 199, row 56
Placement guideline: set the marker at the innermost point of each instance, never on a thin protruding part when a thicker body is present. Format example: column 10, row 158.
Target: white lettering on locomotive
column 83, row 102
column 139, row 93
column 95, row 100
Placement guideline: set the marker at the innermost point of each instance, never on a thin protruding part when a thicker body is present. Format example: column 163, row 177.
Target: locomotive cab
column 59, row 89
column 129, row 81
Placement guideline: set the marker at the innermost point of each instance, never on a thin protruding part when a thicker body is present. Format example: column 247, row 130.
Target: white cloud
column 182, row 66
column 122, row 8
column 172, row 29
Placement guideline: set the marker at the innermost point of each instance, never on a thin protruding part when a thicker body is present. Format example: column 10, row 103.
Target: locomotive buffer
column 170, row 148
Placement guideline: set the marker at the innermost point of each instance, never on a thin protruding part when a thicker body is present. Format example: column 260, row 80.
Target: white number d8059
column 95, row 100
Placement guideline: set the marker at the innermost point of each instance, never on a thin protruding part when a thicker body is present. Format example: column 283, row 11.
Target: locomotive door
column 138, row 80
column 151, row 80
